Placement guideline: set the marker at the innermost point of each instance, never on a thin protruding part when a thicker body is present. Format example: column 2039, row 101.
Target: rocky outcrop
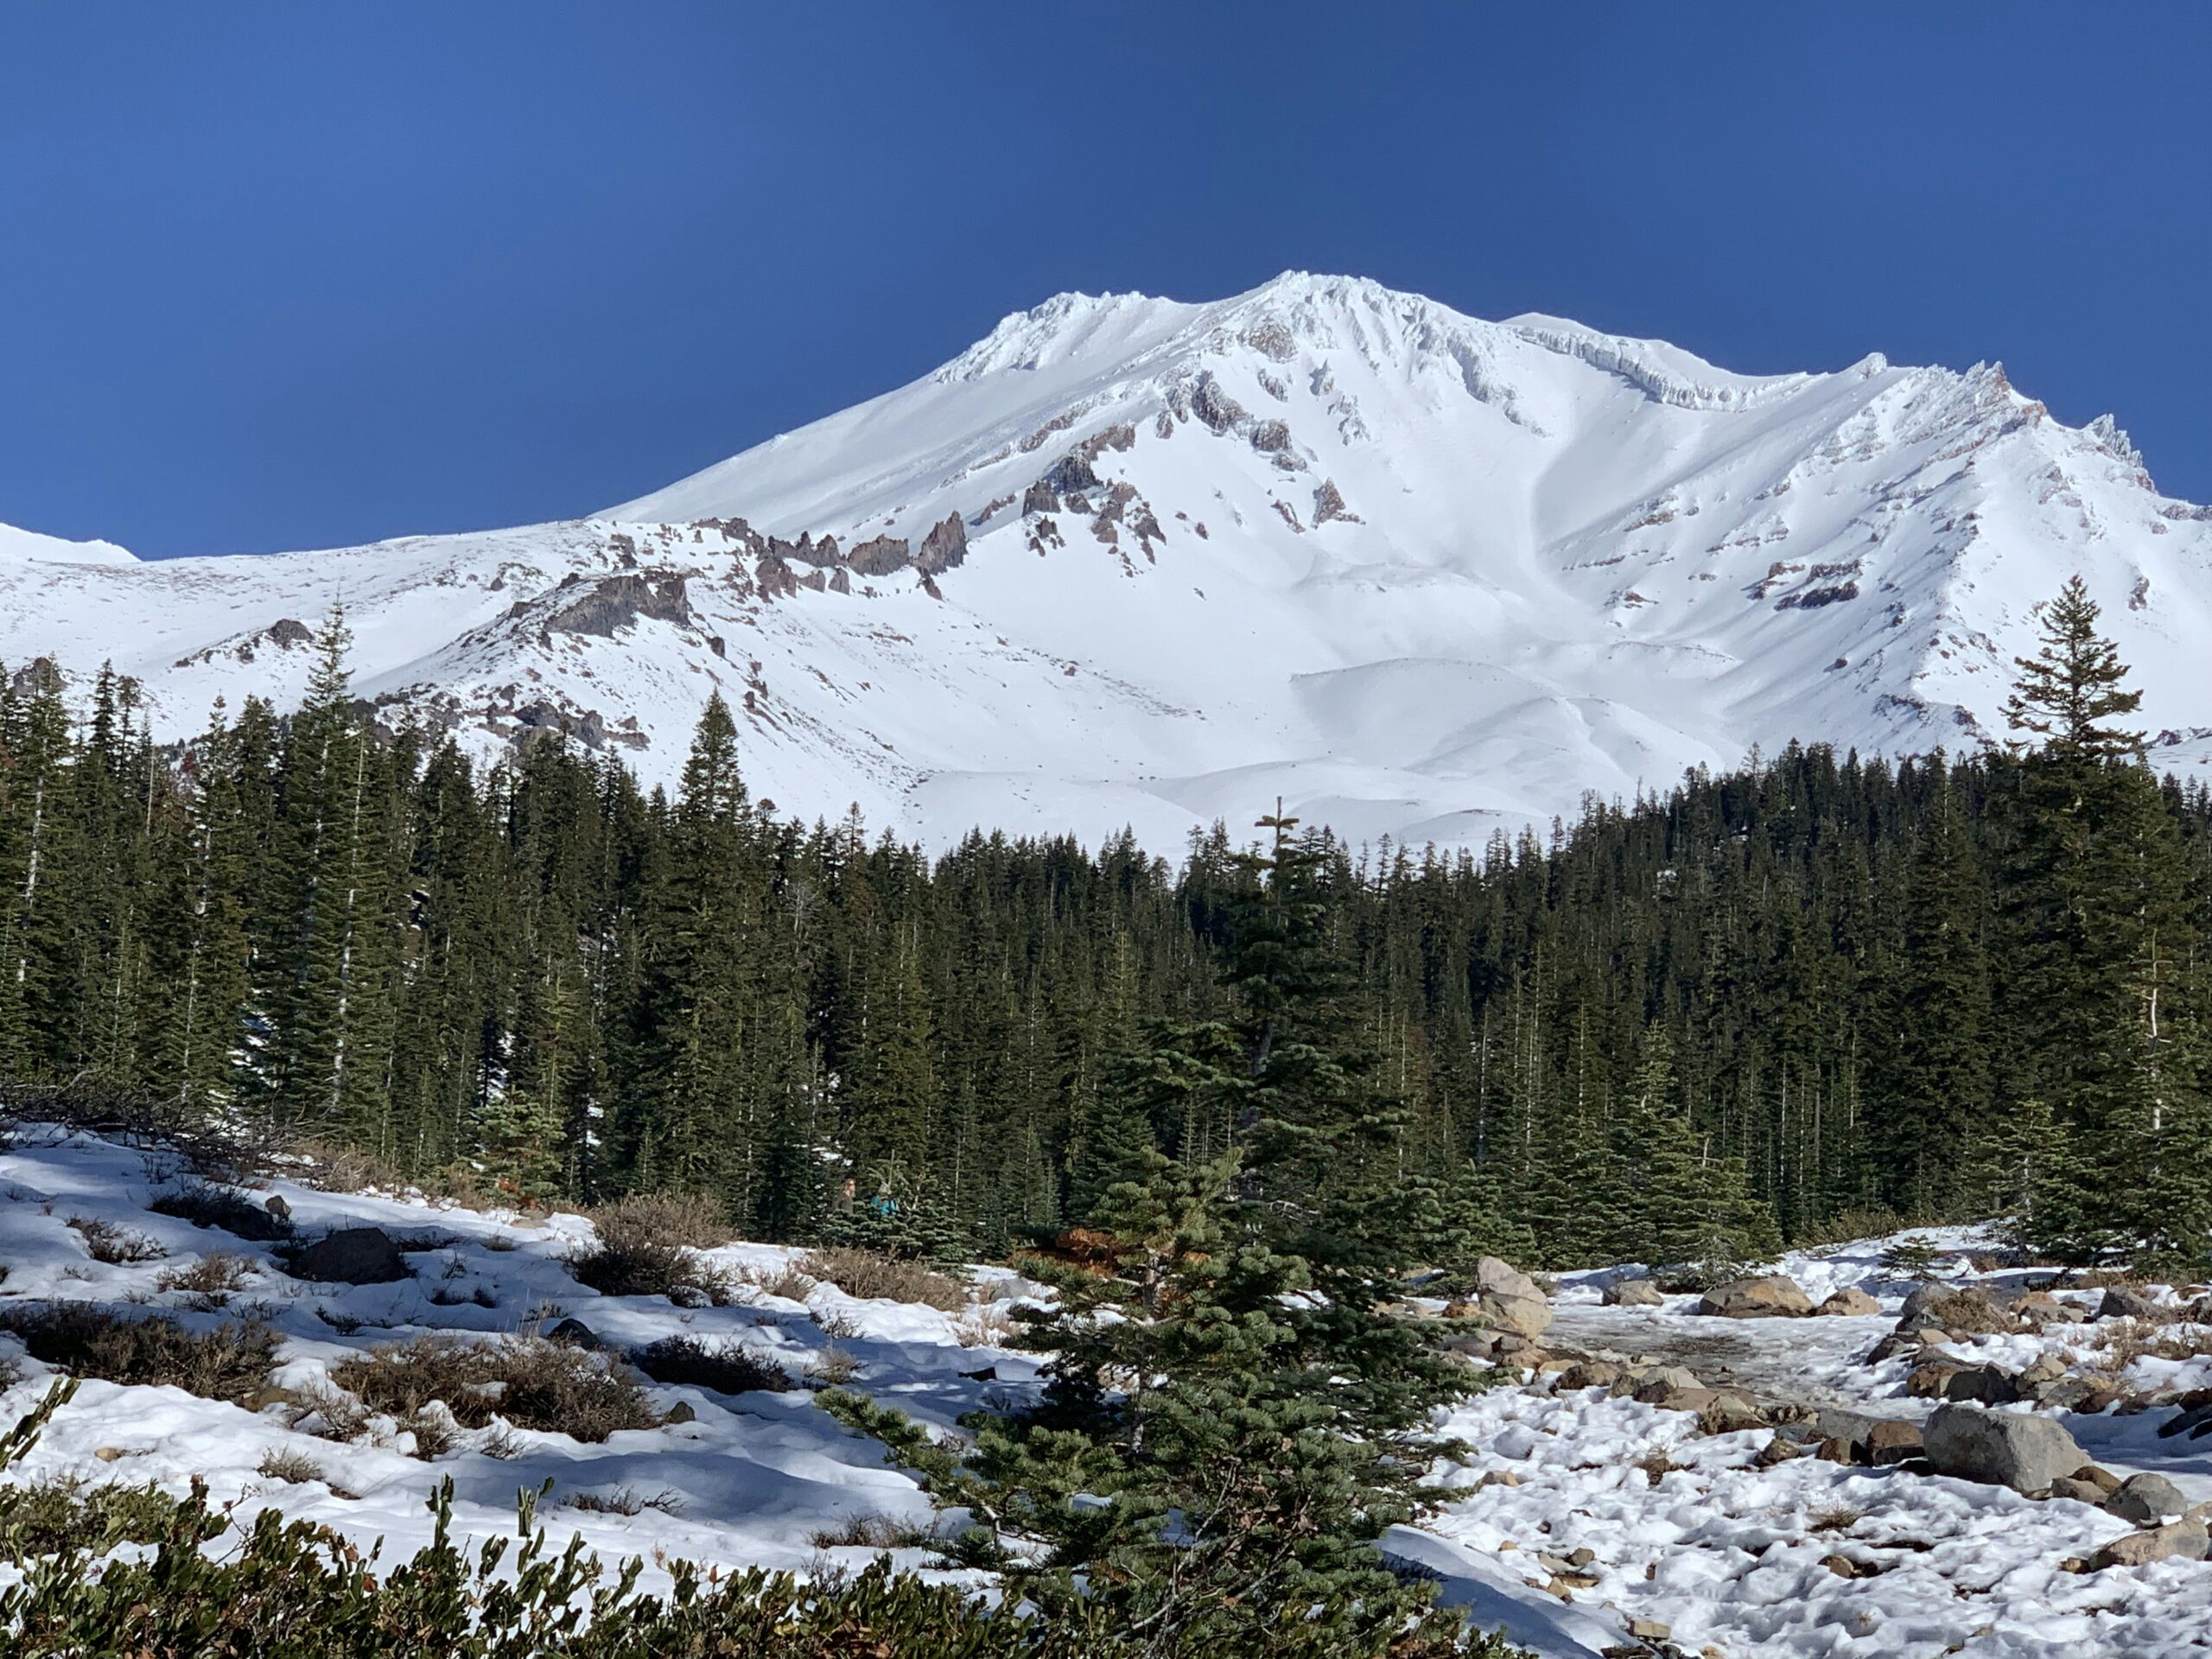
column 2000, row 1448
column 1039, row 498
column 617, row 601
column 1774, row 1296
column 945, row 547
column 1632, row 1292
column 1505, row 1299
column 878, row 556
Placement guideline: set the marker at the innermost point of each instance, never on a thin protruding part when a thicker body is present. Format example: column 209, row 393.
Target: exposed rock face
column 1070, row 475
column 878, row 558
column 352, row 1255
column 1039, row 498
column 1774, row 1296
column 945, row 548
column 775, row 579
column 1852, row 1303
column 615, row 602
column 1633, row 1293
column 2002, row 1448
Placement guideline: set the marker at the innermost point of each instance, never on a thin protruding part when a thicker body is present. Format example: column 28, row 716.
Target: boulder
column 1932, row 1381
column 1590, row 1373
column 1668, row 1379
column 1849, row 1303
column 1509, row 1300
column 352, row 1255
column 1956, row 1313
column 2121, row 1303
column 576, row 1334
column 277, row 1207
column 2097, row 1475
column 1633, row 1293
column 2002, row 1448
column 2081, row 1492
column 2187, row 1540
column 2146, row 1500
column 1774, row 1296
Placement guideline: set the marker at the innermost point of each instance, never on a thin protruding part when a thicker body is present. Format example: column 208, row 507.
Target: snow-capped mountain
column 1132, row 560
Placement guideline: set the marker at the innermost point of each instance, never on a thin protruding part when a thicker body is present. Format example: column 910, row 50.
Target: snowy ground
column 1681, row 1530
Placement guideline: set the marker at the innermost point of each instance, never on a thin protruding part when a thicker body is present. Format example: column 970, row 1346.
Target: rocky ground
column 1986, row 1460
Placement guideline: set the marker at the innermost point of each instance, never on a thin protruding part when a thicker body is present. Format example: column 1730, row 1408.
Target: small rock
column 1590, row 1373
column 1667, row 1379
column 110, row 1454
column 2099, row 1477
column 1932, row 1380
column 1498, row 1477
column 1893, row 1442
column 1833, row 1450
column 1779, row 1449
column 1581, row 1557
column 277, row 1207
column 2081, row 1492
column 681, row 1411
column 1840, row 1566
column 1958, row 1312
column 1849, row 1303
column 1649, row 1630
column 1774, row 1296
column 2186, row 1540
column 2002, row 1448
column 2044, row 1368
column 2146, row 1500
column 1633, row 1293
column 576, row 1334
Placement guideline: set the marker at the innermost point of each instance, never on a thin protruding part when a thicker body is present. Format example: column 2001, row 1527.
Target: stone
column 1841, row 1565
column 2146, row 1500
column 1835, row 1450
column 1509, row 1300
column 1930, row 1381
column 1779, row 1449
column 681, row 1411
column 1695, row 1400
column 1774, row 1296
column 1955, row 1312
column 110, row 1454
column 576, row 1334
column 276, row 1207
column 2099, row 1477
column 352, row 1255
column 1649, row 1630
column 2186, row 1540
column 1633, row 1293
column 1896, row 1343
column 1667, row 1379
column 1848, row 1303
column 2044, row 1368
column 1590, row 1373
column 2001, row 1448
column 2121, row 1303
column 1992, row 1385
column 1730, row 1411
column 1893, row 1442
column 2081, row 1492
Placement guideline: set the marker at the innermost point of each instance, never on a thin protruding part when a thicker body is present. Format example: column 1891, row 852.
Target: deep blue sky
column 279, row 276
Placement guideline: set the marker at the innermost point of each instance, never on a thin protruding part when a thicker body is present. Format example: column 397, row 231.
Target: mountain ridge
column 1135, row 561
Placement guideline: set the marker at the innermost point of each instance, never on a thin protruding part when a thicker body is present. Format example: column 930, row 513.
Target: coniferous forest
column 1760, row 1007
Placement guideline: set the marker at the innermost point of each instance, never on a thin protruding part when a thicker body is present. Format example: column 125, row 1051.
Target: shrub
column 874, row 1276
column 879, row 1532
column 293, row 1468
column 530, row 1383
column 64, row 1514
column 787, row 1282
column 215, row 1275
column 224, row 1364
column 115, row 1245
column 725, row 1369
column 205, row 1205
column 833, row 1367
column 692, row 1219
column 623, row 1500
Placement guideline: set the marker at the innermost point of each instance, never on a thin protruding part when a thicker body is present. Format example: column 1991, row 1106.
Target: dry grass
column 877, row 1532
column 116, row 1246
column 725, row 1367
column 224, row 1364
column 529, row 1383
column 1842, row 1518
column 624, row 1500
column 833, row 1367
column 984, row 1327
column 695, row 1220
column 873, row 1277
column 787, row 1281
column 293, row 1468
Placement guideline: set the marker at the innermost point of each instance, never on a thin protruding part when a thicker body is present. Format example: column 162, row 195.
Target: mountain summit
column 1132, row 560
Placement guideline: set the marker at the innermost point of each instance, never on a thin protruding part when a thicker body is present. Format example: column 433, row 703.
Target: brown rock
column 1893, row 1442
column 1849, row 1303
column 1840, row 1566
column 2103, row 1480
column 1774, row 1296
column 2187, row 1540
column 1929, row 1381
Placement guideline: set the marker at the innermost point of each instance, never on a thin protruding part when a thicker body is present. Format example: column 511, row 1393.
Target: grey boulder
column 2001, row 1448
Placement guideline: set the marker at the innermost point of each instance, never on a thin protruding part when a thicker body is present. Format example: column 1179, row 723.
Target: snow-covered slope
column 1417, row 574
